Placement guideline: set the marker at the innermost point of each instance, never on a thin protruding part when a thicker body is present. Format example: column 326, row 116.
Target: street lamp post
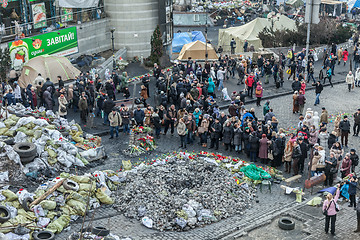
column 206, row 41
column 112, row 30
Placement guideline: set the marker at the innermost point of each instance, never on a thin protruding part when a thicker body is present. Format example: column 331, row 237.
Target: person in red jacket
column 250, row 84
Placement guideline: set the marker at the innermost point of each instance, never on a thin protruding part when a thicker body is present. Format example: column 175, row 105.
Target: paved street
column 270, row 206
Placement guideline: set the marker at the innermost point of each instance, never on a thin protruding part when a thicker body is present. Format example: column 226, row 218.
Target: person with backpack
column 330, row 209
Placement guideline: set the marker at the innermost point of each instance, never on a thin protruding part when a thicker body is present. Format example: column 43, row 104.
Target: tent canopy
column 182, row 38
column 197, row 50
column 49, row 67
column 250, row 32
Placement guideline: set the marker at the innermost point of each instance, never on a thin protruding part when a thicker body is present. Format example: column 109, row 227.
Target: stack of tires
column 26, row 150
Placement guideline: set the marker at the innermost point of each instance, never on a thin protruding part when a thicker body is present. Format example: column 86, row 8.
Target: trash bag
column 181, row 222
column 189, row 211
column 59, row 224
column 43, row 222
column 147, row 222
column 10, row 196
column 13, row 210
column 48, row 205
column 126, row 165
column 253, row 172
column 205, row 214
column 103, row 198
column 191, row 221
column 39, row 211
column 141, row 211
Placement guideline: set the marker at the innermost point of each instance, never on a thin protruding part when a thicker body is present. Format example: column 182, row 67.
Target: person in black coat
column 60, row 82
column 296, row 86
column 107, row 107
column 155, row 119
column 139, row 116
column 254, row 146
column 215, row 131
column 228, row 134
column 345, row 130
column 304, row 150
column 246, row 136
column 330, row 169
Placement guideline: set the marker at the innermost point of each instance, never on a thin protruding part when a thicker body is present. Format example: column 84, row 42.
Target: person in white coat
column 350, row 80
column 316, row 120
column 357, row 78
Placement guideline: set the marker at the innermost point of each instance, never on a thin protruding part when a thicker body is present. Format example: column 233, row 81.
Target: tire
column 25, row 149
column 25, row 203
column 27, row 159
column 100, row 231
column 6, row 212
column 286, row 223
column 44, row 235
column 71, row 185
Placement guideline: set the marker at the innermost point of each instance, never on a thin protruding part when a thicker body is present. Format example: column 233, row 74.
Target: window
column 196, row 18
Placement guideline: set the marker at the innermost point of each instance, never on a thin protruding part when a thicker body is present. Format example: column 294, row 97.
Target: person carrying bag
column 330, row 209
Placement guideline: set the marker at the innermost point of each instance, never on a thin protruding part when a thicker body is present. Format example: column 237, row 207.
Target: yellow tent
column 197, row 50
column 250, row 32
column 50, row 67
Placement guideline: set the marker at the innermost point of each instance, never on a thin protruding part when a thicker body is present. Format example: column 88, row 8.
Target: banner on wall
column 4, row 3
column 78, row 3
column 59, row 43
column 66, row 14
column 39, row 15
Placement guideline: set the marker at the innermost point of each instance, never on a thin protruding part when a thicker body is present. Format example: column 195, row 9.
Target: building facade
column 135, row 21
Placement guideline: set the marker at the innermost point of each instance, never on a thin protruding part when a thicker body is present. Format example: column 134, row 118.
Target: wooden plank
column 293, row 178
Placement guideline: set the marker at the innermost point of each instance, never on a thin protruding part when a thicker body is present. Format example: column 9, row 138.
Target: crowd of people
column 186, row 103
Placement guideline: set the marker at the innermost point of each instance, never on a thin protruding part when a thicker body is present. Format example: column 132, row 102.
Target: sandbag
column 78, row 206
column 48, row 205
column 59, row 224
column 9, row 123
column 126, row 165
column 87, row 187
column 10, row 196
column 3, row 131
column 80, row 179
column 9, row 133
column 103, row 198
column 67, row 210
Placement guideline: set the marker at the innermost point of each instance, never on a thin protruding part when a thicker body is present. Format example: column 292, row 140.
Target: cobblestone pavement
column 270, row 205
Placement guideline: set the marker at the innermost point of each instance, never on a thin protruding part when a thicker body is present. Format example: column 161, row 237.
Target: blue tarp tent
column 180, row 39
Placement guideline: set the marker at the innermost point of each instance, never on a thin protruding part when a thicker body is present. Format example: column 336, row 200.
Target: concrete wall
column 94, row 37
column 135, row 22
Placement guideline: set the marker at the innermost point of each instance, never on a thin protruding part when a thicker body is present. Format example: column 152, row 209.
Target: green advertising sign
column 59, row 43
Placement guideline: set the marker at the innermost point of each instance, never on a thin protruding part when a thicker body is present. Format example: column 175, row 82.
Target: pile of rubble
column 54, row 204
column 51, row 142
column 180, row 192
